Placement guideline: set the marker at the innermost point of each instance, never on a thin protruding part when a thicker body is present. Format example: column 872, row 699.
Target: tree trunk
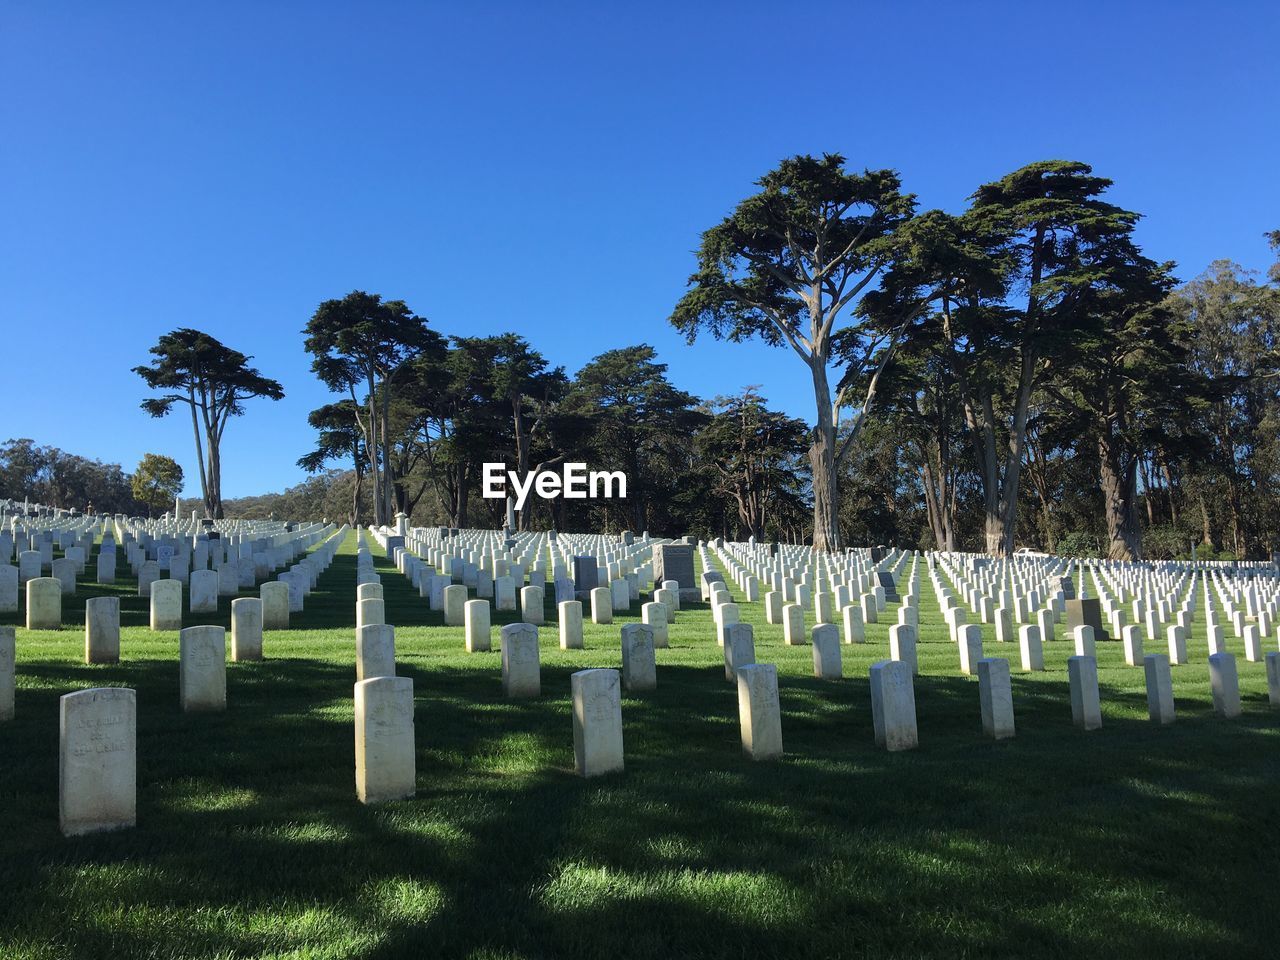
column 822, row 462
column 204, row 480
column 1119, row 492
column 1013, row 458
column 214, row 499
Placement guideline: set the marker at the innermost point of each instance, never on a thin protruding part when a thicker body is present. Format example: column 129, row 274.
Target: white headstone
column 570, row 616
column 204, row 591
column 639, row 667
column 893, row 705
column 375, row 651
column 1159, row 686
column 44, row 604
column 275, row 605
column 601, row 605
column 477, row 625
column 531, row 605
column 739, row 649
column 995, row 694
column 521, row 668
column 826, row 652
column 759, row 711
column 654, row 615
column 1225, row 685
column 202, row 653
column 385, row 752
column 97, row 765
column 246, row 629
column 1086, row 708
column 597, row 721
column 166, row 605
column 102, row 630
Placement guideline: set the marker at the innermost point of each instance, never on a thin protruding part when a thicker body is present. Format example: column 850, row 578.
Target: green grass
column 1134, row 840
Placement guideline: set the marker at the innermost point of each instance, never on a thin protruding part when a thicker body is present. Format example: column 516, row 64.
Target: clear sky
column 540, row 167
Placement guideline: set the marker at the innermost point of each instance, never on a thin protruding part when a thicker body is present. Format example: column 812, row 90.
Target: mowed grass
column 1134, row 840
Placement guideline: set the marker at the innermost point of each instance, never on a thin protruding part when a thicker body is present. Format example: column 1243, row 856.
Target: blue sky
column 540, row 167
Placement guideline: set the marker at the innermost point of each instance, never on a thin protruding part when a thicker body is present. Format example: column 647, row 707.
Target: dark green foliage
column 194, row 369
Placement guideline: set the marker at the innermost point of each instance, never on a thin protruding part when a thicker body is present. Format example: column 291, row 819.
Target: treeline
column 424, row 412
column 1177, row 451
column 1023, row 372
column 1017, row 374
column 53, row 477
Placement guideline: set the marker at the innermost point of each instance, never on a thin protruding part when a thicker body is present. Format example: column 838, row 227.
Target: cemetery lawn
column 1131, row 841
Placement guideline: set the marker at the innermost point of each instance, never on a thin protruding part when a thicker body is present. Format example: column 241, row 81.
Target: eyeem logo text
column 573, row 482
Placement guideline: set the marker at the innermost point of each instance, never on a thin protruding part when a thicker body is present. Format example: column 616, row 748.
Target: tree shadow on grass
column 1136, row 839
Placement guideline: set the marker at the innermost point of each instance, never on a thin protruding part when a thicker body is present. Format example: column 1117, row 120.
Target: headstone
column 585, row 574
column 275, row 605
column 375, row 651
column 1225, row 685
column 8, row 673
column 504, row 591
column 30, row 565
column 370, row 613
column 44, row 604
column 773, row 606
column 602, row 605
column 826, row 652
column 654, row 616
column 106, row 568
column 597, row 721
column 1177, row 644
column 455, row 602
column 521, row 668
column 97, row 762
column 1084, row 640
column 64, row 571
column 202, row 677
column 477, row 624
column 793, row 625
column 204, row 591
column 531, row 605
column 902, row 646
column 166, row 605
column 739, row 649
column 970, row 646
column 102, row 630
column 1031, row 648
column 759, row 711
column 854, row 630
column 885, row 580
column 1085, row 613
column 672, row 561
column 8, row 589
column 1273, row 680
column 1082, row 675
column 995, row 694
column 1159, row 686
column 1133, row 656
column 385, row 751
column 639, row 666
column 246, row 629
column 570, row 616
column 893, row 705
column 1252, row 643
